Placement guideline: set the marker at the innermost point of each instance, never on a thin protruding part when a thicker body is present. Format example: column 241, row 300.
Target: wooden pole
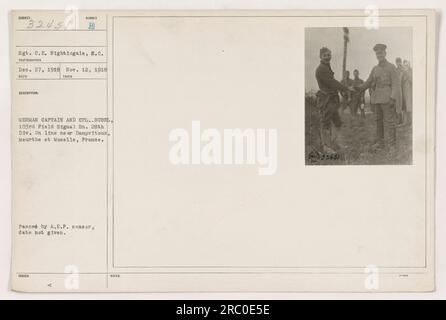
column 344, row 60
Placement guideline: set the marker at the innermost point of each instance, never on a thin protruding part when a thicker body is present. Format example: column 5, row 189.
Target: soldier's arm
column 328, row 80
column 366, row 85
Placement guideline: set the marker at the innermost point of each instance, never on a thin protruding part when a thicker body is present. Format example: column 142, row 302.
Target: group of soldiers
column 390, row 90
column 355, row 100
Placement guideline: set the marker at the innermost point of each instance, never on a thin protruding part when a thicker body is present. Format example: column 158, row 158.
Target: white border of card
column 125, row 204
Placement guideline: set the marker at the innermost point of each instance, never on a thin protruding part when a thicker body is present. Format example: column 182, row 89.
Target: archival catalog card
column 223, row 151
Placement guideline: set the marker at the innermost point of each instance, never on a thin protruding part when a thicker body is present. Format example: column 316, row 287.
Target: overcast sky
column 360, row 54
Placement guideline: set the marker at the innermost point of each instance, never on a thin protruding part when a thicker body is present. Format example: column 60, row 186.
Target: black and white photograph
column 358, row 96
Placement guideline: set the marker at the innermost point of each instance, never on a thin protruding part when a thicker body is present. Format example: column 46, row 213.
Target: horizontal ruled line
column 61, row 30
column 64, row 79
column 80, row 62
column 48, row 46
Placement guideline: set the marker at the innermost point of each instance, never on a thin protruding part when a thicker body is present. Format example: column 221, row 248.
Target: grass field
column 357, row 137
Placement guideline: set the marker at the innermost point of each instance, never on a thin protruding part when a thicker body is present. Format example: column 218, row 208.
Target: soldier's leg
column 379, row 143
column 403, row 115
column 343, row 103
column 362, row 108
column 336, row 141
column 390, row 121
column 351, row 107
column 326, row 123
column 355, row 107
column 401, row 118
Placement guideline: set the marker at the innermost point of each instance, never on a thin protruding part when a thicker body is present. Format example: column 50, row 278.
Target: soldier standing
column 400, row 104
column 328, row 102
column 406, row 82
column 385, row 90
column 345, row 96
column 399, row 66
column 357, row 97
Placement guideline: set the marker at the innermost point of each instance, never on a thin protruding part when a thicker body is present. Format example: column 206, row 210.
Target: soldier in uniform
column 406, row 85
column 345, row 96
column 357, row 97
column 399, row 66
column 400, row 104
column 385, row 90
column 328, row 102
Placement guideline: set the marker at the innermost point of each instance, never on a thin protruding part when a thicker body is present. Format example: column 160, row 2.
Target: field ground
column 357, row 137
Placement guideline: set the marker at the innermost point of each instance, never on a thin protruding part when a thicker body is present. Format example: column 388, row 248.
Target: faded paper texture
column 184, row 151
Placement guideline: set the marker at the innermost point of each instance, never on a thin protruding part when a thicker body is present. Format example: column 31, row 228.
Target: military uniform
column 385, row 91
column 328, row 96
column 406, row 81
column 399, row 102
column 357, row 98
column 345, row 101
column 328, row 102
